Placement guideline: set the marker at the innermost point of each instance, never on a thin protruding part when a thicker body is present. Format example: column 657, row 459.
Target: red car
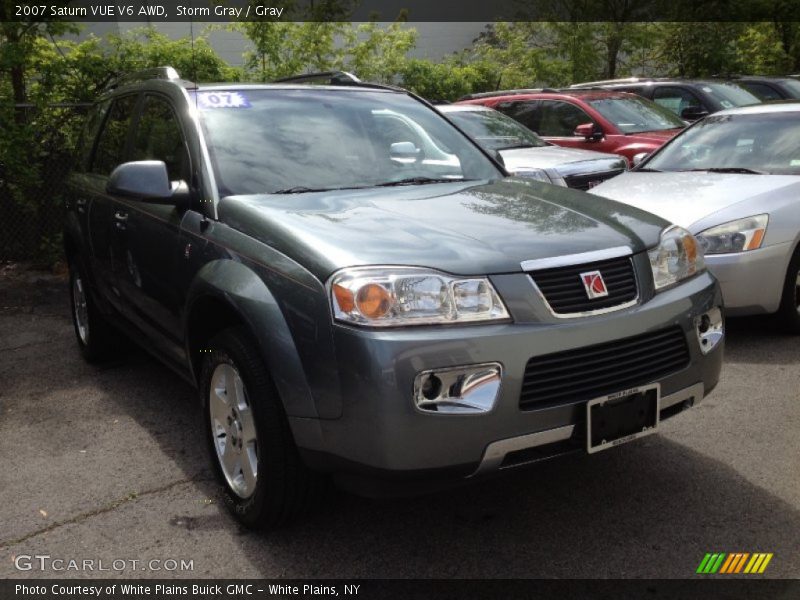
column 601, row 120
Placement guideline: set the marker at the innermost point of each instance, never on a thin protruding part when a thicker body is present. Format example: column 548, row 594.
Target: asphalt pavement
column 108, row 464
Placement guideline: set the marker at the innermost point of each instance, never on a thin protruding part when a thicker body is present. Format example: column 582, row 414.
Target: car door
column 109, row 152
column 558, row 120
column 148, row 232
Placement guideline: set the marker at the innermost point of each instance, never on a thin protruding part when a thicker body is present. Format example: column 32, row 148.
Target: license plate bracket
column 622, row 417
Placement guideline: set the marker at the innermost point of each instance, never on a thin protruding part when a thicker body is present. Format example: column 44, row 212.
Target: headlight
column 393, row 296
column 677, row 256
column 540, row 175
column 736, row 236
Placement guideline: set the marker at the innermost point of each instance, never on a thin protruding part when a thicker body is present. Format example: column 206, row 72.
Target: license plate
column 622, row 417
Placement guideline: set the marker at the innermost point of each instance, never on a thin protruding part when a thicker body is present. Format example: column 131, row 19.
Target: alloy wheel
column 233, row 429
column 80, row 309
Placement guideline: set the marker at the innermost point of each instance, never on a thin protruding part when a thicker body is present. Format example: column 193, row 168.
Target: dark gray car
column 356, row 288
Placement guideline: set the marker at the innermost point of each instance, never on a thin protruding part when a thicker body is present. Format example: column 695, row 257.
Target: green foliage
column 447, row 81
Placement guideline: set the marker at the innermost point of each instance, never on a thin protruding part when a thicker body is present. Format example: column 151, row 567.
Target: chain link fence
column 37, row 157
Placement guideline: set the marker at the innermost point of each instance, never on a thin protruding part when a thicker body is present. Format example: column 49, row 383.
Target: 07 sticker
column 222, row 100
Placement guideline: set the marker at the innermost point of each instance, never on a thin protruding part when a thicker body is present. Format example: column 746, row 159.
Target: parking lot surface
column 108, row 464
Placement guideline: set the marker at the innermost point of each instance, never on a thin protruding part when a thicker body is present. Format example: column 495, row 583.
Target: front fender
column 245, row 292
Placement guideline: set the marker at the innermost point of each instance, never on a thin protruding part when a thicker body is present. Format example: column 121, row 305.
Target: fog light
column 458, row 390
column 710, row 329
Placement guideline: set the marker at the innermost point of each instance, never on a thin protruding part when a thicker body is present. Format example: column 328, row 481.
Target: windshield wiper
column 301, row 189
column 743, row 170
column 647, row 170
column 420, row 181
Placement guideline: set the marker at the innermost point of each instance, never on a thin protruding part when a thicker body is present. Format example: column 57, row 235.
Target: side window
column 110, row 151
column 675, row 99
column 527, row 113
column 158, row 136
column 559, row 119
column 89, row 134
column 764, row 92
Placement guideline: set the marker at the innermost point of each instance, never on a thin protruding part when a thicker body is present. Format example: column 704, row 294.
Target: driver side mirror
column 693, row 113
column 591, row 132
column 148, row 181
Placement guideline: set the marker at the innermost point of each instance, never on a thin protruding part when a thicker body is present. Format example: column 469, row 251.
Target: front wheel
column 789, row 312
column 253, row 453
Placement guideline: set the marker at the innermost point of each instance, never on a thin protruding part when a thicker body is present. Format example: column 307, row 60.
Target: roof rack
column 325, row 78
column 602, row 82
column 166, row 73
column 503, row 93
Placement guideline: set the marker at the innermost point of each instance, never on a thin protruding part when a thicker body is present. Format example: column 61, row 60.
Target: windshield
column 290, row 140
column 793, row 86
column 494, row 130
column 768, row 143
column 636, row 115
column 729, row 95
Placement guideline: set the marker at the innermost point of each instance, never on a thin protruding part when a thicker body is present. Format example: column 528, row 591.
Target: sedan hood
column 686, row 198
column 460, row 228
column 585, row 161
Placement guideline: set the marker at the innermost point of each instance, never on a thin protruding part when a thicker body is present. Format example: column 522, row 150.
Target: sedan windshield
column 636, row 115
column 300, row 140
column 755, row 143
column 494, row 130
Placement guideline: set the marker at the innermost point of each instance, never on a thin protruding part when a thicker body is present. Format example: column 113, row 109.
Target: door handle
column 120, row 218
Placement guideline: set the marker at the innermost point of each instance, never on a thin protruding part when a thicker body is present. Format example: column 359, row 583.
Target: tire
column 789, row 312
column 97, row 340
column 265, row 483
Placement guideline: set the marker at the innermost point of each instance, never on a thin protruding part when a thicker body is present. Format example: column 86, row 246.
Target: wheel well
column 208, row 317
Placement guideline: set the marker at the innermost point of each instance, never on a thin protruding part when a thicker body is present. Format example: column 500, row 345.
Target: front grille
column 588, row 180
column 564, row 291
column 587, row 373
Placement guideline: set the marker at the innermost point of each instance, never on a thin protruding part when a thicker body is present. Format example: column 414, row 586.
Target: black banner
column 410, row 10
column 367, row 589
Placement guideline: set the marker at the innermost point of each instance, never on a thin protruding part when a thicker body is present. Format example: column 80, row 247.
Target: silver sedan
column 733, row 180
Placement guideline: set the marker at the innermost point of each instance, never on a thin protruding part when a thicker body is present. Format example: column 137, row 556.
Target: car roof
column 584, row 94
column 779, row 106
column 208, row 87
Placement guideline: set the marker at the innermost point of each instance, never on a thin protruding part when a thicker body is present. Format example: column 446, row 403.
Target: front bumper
column 382, row 433
column 751, row 282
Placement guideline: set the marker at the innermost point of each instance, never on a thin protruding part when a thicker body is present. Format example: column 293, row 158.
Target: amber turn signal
column 344, row 298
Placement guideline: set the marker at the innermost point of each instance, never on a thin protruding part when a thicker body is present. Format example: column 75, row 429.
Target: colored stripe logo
column 733, row 563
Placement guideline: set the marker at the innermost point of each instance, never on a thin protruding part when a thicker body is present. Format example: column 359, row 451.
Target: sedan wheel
column 234, row 430
column 789, row 312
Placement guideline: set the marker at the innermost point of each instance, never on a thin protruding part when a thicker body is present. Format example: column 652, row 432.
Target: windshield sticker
column 794, row 163
column 222, row 100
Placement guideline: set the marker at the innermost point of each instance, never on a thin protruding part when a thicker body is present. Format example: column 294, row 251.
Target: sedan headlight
column 677, row 257
column 539, row 175
column 735, row 236
column 396, row 296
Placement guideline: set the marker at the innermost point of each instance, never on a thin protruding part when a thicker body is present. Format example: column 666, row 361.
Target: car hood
column 461, row 228
column 687, row 198
column 571, row 160
column 660, row 136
